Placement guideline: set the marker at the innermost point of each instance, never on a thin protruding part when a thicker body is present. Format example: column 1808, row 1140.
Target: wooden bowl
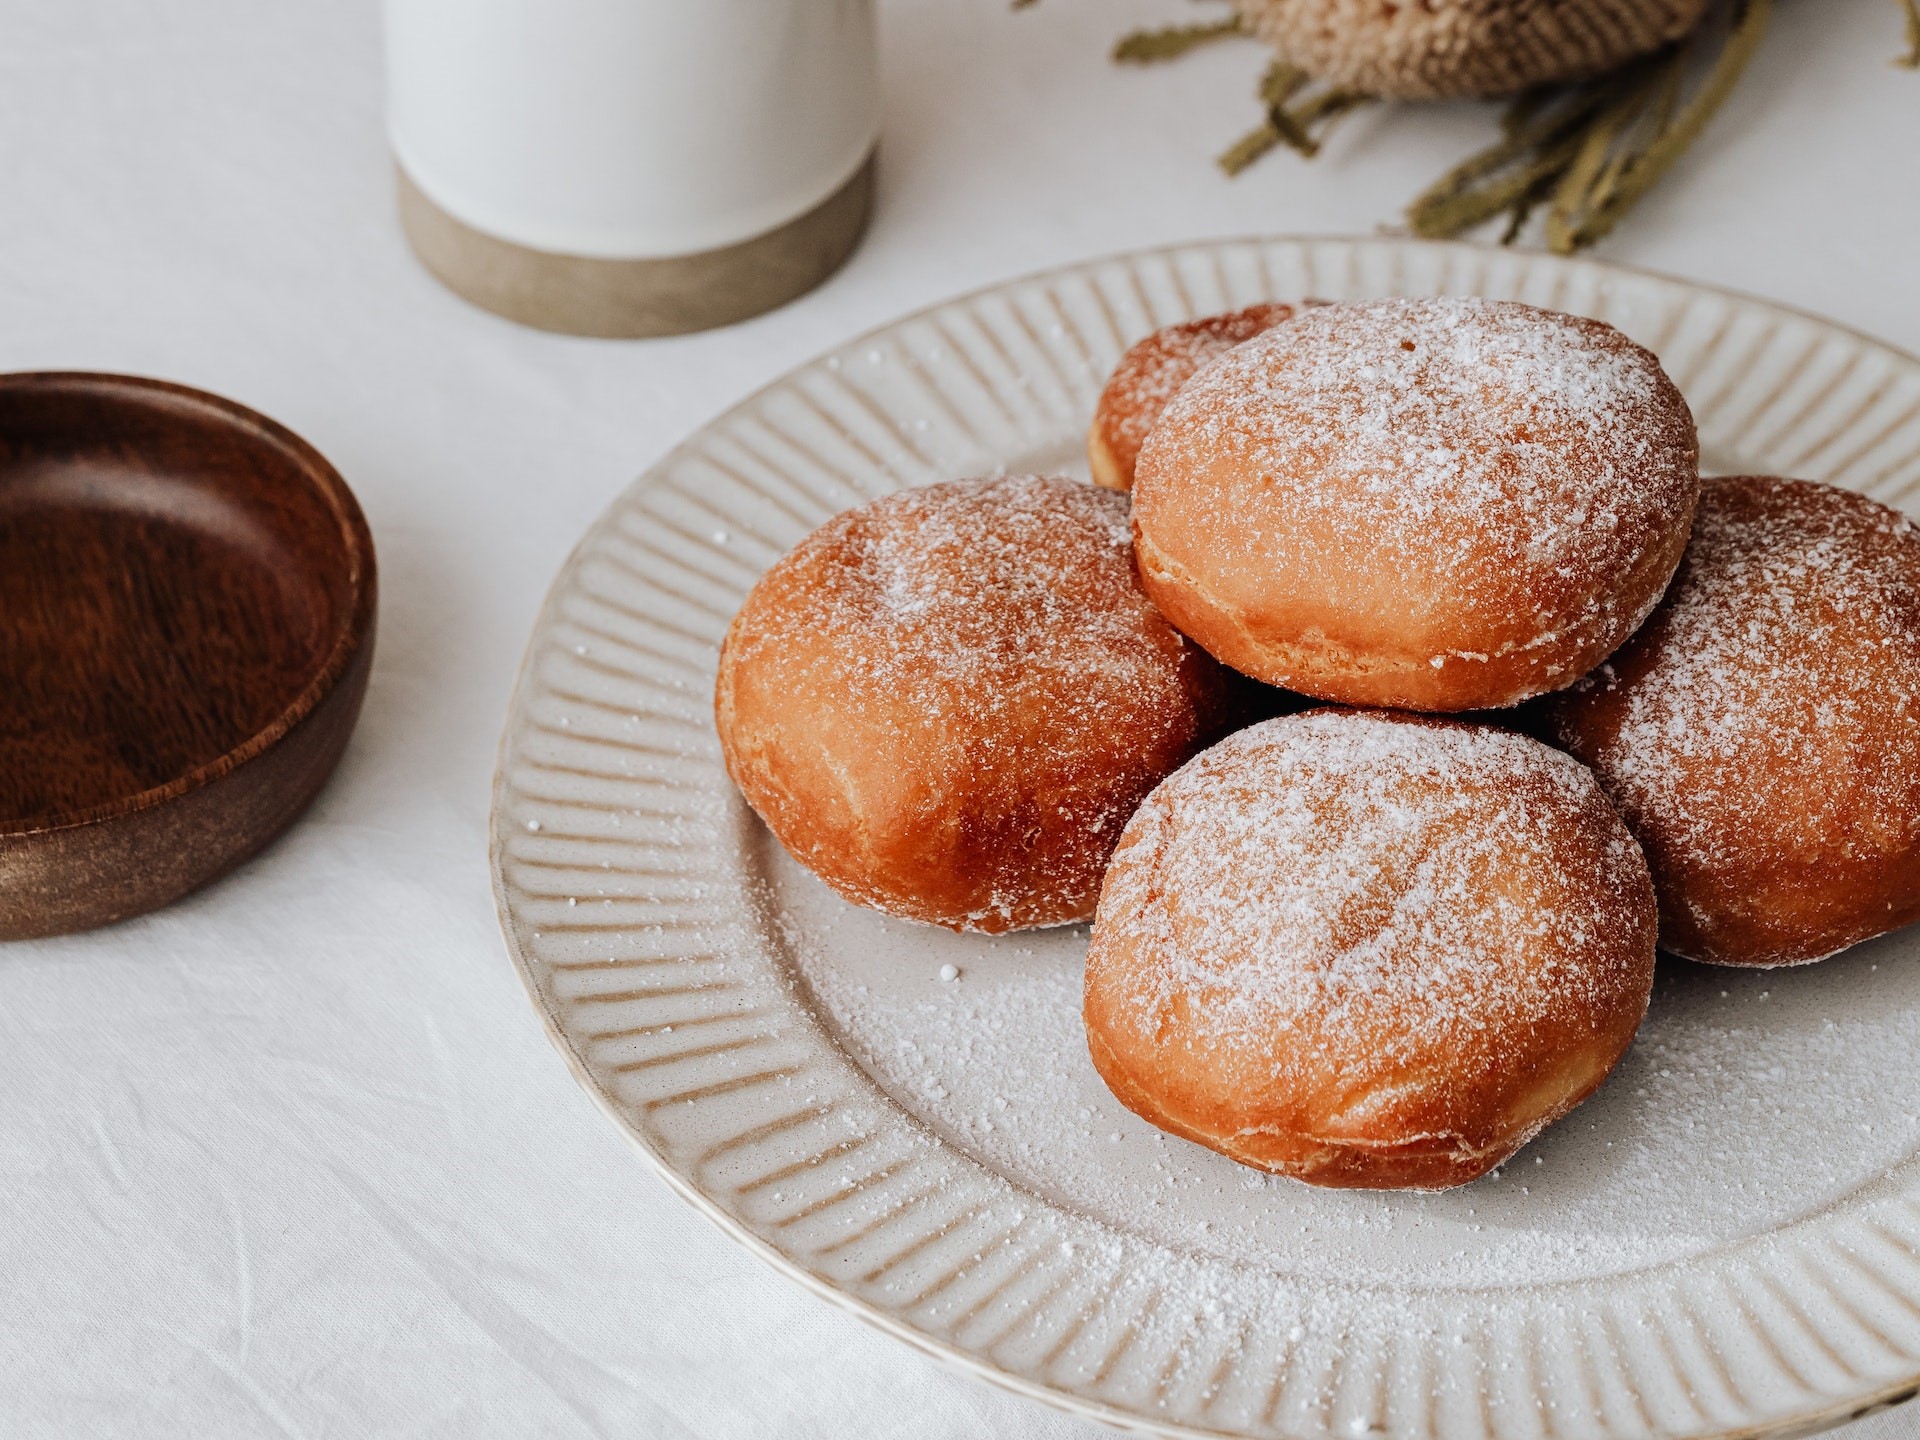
column 186, row 625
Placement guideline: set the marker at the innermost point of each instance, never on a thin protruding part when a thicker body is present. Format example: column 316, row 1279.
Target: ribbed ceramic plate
column 1725, row 1241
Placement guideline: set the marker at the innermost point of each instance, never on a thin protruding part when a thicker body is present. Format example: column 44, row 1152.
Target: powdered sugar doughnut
column 1151, row 373
column 1761, row 734
column 1433, row 504
column 946, row 703
column 1369, row 951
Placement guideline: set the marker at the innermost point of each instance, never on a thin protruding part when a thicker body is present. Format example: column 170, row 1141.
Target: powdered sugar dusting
column 1522, row 464
column 1153, row 371
column 1781, row 676
column 1366, row 894
column 988, row 641
column 965, row 582
column 1682, row 1151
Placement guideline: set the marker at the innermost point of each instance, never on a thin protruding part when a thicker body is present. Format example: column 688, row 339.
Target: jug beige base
column 633, row 299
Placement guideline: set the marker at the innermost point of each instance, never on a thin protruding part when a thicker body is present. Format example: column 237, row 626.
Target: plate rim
column 1883, row 1397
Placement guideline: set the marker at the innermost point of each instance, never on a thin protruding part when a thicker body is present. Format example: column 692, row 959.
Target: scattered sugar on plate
column 1656, row 1167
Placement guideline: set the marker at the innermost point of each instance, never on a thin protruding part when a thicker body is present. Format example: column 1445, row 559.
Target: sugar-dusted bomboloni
column 1369, row 950
column 1761, row 733
column 1438, row 505
column 947, row 703
column 1151, row 373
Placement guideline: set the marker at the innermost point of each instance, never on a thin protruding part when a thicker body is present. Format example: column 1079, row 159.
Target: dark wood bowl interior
column 181, row 583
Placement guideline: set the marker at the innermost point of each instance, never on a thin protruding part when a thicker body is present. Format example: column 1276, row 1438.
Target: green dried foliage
column 1300, row 126
column 1587, row 152
column 1145, row 47
column 1590, row 151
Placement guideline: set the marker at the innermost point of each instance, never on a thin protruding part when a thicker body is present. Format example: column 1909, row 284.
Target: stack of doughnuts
column 1383, row 941
column 1151, row 373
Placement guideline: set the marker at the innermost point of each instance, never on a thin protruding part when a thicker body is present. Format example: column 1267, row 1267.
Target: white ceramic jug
column 632, row 167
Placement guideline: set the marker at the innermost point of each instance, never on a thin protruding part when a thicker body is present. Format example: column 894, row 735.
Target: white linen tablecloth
column 294, row 1158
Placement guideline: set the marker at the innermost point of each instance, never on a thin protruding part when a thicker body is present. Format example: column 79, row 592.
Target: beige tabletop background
column 294, row 1157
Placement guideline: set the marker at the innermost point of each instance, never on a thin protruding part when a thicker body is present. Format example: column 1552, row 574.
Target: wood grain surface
column 187, row 596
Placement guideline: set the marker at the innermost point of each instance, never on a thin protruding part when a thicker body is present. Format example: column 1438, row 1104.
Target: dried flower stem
column 1590, row 150
column 1300, row 127
column 1144, row 47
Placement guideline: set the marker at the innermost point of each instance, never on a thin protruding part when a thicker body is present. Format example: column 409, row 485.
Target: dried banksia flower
column 1435, row 49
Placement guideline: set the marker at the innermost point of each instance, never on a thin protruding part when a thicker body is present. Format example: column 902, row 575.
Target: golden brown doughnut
column 946, row 703
column 1761, row 733
column 1369, row 950
column 1151, row 373
column 1439, row 505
